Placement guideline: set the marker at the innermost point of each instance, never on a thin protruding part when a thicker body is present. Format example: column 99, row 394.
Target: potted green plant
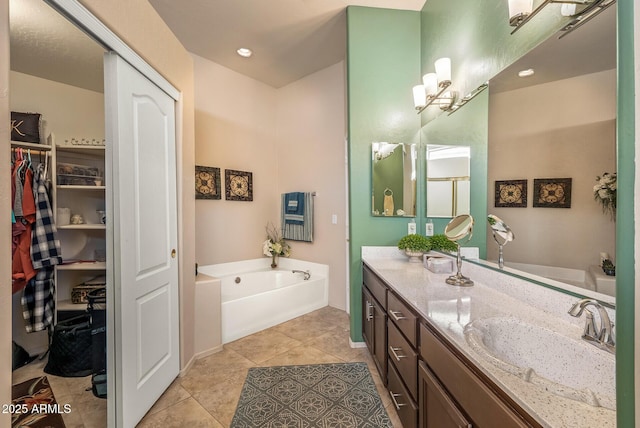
column 414, row 246
column 608, row 267
column 442, row 243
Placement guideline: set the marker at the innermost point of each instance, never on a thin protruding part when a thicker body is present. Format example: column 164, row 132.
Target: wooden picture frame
column 552, row 193
column 208, row 182
column 238, row 185
column 511, row 193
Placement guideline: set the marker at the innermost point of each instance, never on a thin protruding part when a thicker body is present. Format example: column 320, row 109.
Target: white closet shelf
column 85, row 226
column 36, row 146
column 68, row 305
column 83, row 266
column 76, row 187
column 88, row 149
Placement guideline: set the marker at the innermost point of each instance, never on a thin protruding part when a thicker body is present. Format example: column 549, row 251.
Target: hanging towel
column 388, row 202
column 297, row 226
column 294, row 208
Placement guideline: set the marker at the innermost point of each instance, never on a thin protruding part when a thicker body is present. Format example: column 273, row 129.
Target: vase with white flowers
column 605, row 193
column 275, row 245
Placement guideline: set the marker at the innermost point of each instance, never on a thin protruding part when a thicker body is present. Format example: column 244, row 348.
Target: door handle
column 173, row 253
column 396, row 316
column 369, row 312
column 395, row 351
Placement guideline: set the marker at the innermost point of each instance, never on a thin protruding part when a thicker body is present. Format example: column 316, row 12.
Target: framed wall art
column 207, row 182
column 511, row 194
column 238, row 185
column 552, row 192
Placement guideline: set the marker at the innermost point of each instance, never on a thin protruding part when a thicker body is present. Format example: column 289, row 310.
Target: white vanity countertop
column 450, row 309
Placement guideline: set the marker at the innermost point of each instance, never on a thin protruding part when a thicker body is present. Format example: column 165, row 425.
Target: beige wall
column 291, row 139
column 67, row 111
column 563, row 129
column 311, row 155
column 235, row 129
column 5, row 219
column 138, row 24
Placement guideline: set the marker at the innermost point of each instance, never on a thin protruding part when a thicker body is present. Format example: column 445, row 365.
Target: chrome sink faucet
column 306, row 273
column 602, row 338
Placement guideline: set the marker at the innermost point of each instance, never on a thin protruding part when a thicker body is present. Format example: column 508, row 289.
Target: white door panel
column 141, row 130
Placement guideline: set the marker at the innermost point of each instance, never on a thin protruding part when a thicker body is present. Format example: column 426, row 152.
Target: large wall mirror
column 557, row 124
column 448, row 180
column 393, row 175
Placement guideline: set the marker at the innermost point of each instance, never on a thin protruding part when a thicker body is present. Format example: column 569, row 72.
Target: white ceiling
column 290, row 38
column 45, row 44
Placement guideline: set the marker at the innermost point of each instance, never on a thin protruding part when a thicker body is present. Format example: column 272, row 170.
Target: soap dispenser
column 429, row 228
column 411, row 227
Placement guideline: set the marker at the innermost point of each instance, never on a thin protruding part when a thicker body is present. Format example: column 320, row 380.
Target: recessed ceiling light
column 526, row 73
column 245, row 52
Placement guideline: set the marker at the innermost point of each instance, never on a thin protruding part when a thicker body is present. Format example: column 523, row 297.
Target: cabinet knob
column 173, row 253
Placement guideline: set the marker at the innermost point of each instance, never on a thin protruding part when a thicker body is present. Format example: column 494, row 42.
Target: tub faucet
column 602, row 338
column 306, row 273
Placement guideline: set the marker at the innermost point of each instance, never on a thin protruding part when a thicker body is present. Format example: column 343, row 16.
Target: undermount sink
column 568, row 367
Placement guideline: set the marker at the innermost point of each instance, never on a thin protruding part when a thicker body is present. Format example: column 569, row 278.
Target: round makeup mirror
column 501, row 234
column 458, row 228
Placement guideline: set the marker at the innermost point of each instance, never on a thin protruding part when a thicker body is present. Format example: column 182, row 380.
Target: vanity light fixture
column 244, row 52
column 433, row 90
column 520, row 12
column 471, row 95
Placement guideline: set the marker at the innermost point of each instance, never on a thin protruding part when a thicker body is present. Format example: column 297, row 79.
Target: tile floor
column 207, row 395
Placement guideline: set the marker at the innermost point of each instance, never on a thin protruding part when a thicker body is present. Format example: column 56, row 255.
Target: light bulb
column 430, row 82
column 518, row 10
column 419, row 96
column 443, row 71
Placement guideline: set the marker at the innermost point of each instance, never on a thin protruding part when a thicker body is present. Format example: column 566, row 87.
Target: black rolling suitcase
column 97, row 308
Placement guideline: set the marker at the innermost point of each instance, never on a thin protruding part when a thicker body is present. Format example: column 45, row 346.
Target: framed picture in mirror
column 552, row 193
column 511, row 193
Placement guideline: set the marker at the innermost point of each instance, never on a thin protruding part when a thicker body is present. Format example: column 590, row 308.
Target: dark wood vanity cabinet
column 374, row 320
column 437, row 408
column 431, row 384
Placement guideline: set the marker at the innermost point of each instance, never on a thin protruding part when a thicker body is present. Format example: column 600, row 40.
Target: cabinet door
column 374, row 331
column 380, row 339
column 436, row 408
column 367, row 319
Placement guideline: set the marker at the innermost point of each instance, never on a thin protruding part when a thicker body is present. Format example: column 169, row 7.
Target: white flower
column 266, row 248
column 603, row 193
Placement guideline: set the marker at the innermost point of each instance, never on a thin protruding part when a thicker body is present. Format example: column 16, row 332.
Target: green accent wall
column 625, row 221
column 388, row 51
column 383, row 64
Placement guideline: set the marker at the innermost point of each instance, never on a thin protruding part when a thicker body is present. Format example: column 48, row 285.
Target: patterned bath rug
column 33, row 405
column 319, row 395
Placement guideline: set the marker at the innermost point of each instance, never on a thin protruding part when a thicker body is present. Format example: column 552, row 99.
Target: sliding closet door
column 140, row 128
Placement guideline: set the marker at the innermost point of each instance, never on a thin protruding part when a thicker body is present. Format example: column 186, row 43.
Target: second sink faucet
column 602, row 338
column 306, row 273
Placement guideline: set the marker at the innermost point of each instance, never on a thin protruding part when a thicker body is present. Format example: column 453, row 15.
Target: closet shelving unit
column 83, row 245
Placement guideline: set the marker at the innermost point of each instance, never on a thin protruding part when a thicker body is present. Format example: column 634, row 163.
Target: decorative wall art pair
column 547, row 193
column 238, row 184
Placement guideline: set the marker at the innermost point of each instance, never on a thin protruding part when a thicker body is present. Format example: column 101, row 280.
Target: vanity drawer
column 403, row 317
column 404, row 358
column 375, row 286
column 401, row 400
column 479, row 401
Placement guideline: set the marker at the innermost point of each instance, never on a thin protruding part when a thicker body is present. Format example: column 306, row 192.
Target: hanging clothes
column 45, row 246
column 22, row 267
column 388, row 202
column 38, row 301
